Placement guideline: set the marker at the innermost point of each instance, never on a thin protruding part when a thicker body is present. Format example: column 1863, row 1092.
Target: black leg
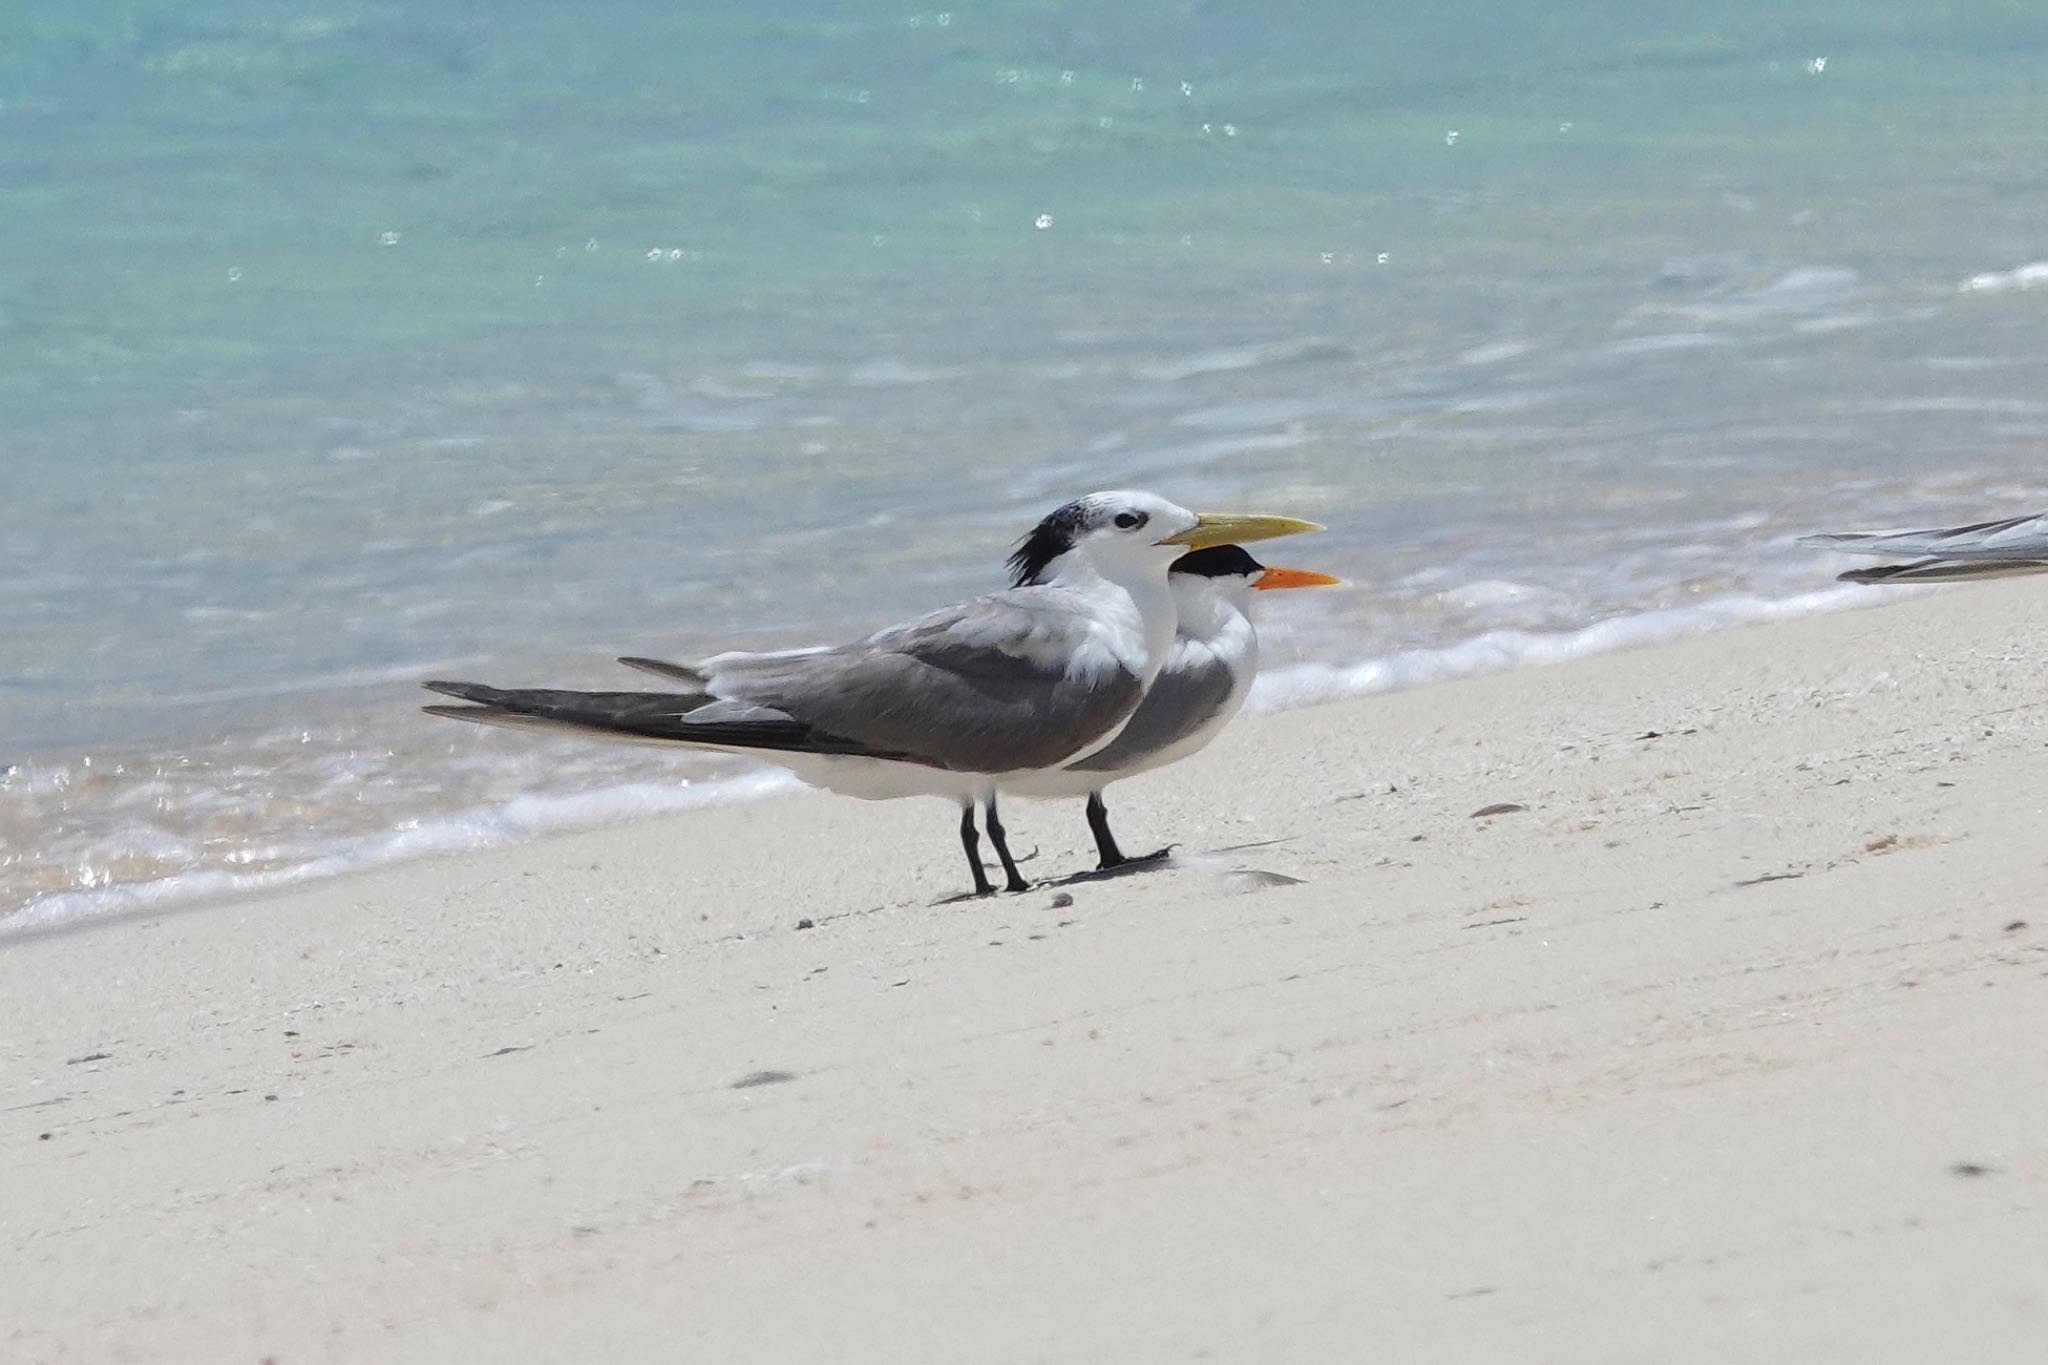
column 996, row 837
column 1105, row 842
column 1111, row 856
column 971, row 841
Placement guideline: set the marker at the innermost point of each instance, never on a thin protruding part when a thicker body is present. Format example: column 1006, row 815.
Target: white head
column 1129, row 535
column 1121, row 534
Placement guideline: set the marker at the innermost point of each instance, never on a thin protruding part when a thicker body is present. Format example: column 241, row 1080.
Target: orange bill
column 1276, row 577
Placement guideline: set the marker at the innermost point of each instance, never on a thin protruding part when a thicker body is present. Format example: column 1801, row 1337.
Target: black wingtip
column 467, row 691
column 462, row 712
column 1945, row 571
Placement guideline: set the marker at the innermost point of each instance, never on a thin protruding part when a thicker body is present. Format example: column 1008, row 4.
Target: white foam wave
column 343, row 681
column 2033, row 275
column 1496, row 651
column 521, row 818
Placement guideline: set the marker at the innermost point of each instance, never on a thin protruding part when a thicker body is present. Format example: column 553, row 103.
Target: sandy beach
column 1722, row 1041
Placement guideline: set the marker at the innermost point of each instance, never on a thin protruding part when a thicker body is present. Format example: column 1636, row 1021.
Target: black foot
column 1156, row 855
column 998, row 836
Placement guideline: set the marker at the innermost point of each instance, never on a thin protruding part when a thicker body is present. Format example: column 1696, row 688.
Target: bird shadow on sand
column 1150, row 862
column 1256, row 843
column 1157, row 861
column 1163, row 860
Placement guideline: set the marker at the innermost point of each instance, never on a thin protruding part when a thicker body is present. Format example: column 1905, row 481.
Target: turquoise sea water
column 346, row 345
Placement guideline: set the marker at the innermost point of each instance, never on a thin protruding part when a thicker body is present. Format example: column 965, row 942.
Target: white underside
column 878, row 779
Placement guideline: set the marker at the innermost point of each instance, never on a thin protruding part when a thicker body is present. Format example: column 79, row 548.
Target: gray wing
column 1180, row 702
column 646, row 717
column 1987, row 549
column 1010, row 681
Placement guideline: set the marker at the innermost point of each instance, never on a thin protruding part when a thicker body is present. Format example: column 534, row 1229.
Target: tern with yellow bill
column 948, row 704
column 1200, row 688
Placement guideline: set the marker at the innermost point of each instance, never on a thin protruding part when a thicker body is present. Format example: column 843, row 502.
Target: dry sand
column 1732, row 1045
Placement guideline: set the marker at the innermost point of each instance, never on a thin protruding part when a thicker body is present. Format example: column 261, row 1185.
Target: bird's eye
column 1130, row 521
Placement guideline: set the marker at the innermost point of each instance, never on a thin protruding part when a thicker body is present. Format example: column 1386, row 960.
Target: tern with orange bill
column 949, row 704
column 1199, row 689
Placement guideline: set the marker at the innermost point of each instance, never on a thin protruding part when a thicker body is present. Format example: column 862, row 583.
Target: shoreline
column 506, row 823
column 1719, row 1044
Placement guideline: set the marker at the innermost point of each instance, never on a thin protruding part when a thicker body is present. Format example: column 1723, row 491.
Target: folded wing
column 1181, row 702
column 1987, row 549
column 1014, row 680
column 1009, row 681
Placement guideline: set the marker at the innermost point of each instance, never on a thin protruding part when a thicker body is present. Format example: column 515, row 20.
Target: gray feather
column 2012, row 539
column 987, row 686
column 969, row 688
column 1180, row 702
column 1985, row 549
column 1945, row 570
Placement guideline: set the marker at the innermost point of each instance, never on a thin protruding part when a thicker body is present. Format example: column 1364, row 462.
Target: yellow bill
column 1231, row 528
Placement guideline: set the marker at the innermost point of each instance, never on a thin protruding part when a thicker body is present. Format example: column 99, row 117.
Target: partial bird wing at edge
column 1945, row 570
column 1986, row 549
column 2016, row 538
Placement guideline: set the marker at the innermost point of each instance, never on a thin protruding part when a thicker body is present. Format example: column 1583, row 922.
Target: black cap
column 1218, row 561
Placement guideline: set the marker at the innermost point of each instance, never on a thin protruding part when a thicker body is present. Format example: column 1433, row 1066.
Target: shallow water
column 349, row 347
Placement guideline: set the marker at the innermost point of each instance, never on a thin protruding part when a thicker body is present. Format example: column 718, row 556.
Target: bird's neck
column 1206, row 615
column 1136, row 601
column 1215, row 628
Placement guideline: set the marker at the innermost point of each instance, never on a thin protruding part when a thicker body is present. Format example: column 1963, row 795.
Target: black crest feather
column 1048, row 540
